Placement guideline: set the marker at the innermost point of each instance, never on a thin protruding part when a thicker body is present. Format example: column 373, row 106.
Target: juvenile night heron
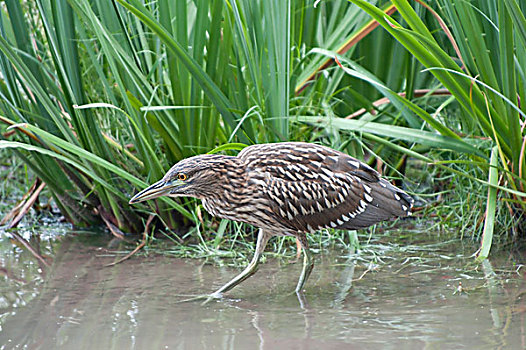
column 288, row 188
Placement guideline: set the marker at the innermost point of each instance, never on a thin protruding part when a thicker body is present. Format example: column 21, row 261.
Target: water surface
column 389, row 296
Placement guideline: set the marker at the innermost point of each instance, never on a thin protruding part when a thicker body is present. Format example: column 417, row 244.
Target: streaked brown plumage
column 288, row 188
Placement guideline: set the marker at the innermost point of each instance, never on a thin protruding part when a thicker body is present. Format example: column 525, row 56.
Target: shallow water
column 389, row 296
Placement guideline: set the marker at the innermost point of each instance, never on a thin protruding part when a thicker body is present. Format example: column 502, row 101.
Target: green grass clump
column 101, row 98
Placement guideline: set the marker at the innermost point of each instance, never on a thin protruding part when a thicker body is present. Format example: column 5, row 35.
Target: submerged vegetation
column 99, row 98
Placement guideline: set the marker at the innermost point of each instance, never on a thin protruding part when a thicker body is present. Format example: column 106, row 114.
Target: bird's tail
column 388, row 202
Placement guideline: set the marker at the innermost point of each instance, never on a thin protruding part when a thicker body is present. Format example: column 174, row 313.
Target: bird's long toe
column 206, row 297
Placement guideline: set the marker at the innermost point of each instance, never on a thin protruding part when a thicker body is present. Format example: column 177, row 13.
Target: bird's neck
column 230, row 186
column 229, row 174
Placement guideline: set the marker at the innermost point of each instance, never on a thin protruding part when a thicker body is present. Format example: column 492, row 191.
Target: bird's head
column 192, row 177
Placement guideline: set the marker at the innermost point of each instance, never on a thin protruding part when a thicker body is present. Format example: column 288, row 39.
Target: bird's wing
column 310, row 187
column 309, row 206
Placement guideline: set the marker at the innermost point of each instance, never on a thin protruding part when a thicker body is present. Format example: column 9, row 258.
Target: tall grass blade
column 491, row 206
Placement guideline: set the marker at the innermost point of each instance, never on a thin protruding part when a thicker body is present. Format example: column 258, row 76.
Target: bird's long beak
column 158, row 189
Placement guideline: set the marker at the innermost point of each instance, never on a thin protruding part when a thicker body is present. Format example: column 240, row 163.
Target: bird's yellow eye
column 181, row 176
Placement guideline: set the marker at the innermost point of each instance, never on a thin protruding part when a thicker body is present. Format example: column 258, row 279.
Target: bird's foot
column 206, row 297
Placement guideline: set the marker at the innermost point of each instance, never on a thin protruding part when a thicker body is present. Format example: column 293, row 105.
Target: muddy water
column 387, row 297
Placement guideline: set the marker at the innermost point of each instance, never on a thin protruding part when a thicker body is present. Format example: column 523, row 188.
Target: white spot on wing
column 290, row 175
column 257, row 182
column 299, row 176
column 354, row 163
column 325, row 177
column 293, row 157
column 303, row 167
column 327, row 171
column 367, row 197
column 293, row 209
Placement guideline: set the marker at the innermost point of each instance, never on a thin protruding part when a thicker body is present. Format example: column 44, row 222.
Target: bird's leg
column 308, row 264
column 252, row 267
column 263, row 238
